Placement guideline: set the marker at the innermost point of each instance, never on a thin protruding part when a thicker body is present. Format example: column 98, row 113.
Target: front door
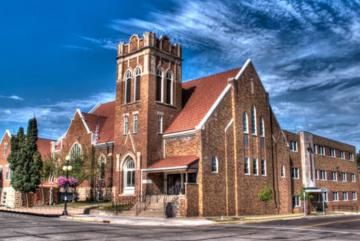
column 173, row 184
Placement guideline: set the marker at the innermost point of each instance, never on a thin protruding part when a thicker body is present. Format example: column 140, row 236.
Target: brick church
column 209, row 145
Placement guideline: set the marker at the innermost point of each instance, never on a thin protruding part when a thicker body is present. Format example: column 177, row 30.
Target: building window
column 247, row 166
column 333, row 152
column 345, row 196
column 343, row 177
column 214, row 164
column 322, row 175
column 102, row 165
column 293, row 146
column 326, row 197
column 245, row 123
column 169, row 88
column 262, row 128
column 296, row 201
column 128, row 87
column 160, row 123
column 158, row 85
column 126, row 124
column 321, row 150
column 351, row 156
column 136, row 123
column 353, row 177
column 354, row 196
column 253, row 120
column 342, row 155
column 334, row 176
column 263, row 167
column 316, row 148
column 335, row 196
column 255, row 167
column 137, row 83
column 129, row 176
column 295, row 173
column 75, row 153
column 282, row 171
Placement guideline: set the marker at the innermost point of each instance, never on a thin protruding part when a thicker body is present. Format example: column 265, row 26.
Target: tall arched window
column 127, row 93
column 75, row 152
column 253, row 120
column 245, row 123
column 102, row 165
column 158, row 84
column 262, row 128
column 129, row 176
column 137, row 83
column 169, row 88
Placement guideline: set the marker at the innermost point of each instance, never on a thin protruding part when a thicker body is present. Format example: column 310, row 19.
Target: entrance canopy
column 178, row 163
column 316, row 190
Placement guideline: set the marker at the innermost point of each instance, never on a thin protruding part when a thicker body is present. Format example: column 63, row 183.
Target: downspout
column 226, row 168
column 273, row 142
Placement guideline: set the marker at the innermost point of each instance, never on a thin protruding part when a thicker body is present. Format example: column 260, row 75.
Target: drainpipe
column 226, row 169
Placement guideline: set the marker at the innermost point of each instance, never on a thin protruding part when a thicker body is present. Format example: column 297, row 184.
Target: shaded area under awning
column 177, row 163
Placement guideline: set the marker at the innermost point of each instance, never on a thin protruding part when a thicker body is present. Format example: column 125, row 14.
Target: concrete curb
column 31, row 213
column 140, row 221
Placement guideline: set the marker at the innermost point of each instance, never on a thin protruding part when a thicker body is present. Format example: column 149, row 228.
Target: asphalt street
column 23, row 227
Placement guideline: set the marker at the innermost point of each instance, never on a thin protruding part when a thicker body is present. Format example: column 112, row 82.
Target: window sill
column 165, row 104
column 131, row 103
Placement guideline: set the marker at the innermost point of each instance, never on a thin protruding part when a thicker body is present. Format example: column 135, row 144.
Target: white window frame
column 344, row 174
column 282, row 171
column 297, row 172
column 262, row 127
column 351, row 156
column 128, row 75
column 345, row 196
column 321, row 150
column 353, row 177
column 245, row 119
column 137, row 73
column 126, row 124
column 253, row 117
column 296, row 201
column 128, row 190
column 316, row 148
column 265, row 172
column 215, row 158
column 135, row 122
column 337, row 196
column 354, row 197
column 323, row 175
column 326, row 197
column 333, row 152
column 293, row 146
column 336, row 176
column 342, row 155
column 170, row 74
column 160, row 123
column 247, row 164
column 255, row 160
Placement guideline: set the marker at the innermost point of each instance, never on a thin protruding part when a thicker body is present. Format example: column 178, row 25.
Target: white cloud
column 12, row 97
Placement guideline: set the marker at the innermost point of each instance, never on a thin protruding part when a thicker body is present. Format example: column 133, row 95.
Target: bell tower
column 148, row 98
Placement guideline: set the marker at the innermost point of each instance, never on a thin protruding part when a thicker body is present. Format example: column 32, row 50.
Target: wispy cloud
column 102, row 42
column 12, row 97
column 307, row 53
column 53, row 118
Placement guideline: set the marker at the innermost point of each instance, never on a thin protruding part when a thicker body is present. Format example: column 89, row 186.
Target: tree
column 25, row 161
column 265, row 195
column 305, row 196
column 49, row 172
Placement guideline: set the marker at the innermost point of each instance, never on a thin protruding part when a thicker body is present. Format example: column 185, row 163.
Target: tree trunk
column 42, row 196
column 51, row 196
column 27, row 199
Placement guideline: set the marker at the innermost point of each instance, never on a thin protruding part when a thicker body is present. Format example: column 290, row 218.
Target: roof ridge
column 212, row 75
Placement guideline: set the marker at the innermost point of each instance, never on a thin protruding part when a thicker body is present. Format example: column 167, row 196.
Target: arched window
column 158, row 84
column 214, row 164
column 253, row 120
column 262, row 128
column 129, row 176
column 75, row 153
column 127, row 93
column 102, row 165
column 245, row 123
column 169, row 88
column 137, row 83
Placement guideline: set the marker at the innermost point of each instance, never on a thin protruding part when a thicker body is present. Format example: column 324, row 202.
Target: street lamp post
column 66, row 168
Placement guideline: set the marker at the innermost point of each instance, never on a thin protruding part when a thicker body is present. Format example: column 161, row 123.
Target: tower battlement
column 149, row 40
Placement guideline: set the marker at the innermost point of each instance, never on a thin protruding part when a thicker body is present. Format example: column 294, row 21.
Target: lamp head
column 64, row 168
column 67, row 158
column 69, row 168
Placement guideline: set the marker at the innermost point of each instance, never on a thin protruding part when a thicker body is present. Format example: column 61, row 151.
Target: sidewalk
column 141, row 221
column 43, row 211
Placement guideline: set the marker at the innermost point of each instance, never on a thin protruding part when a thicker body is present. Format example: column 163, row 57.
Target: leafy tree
column 25, row 161
column 305, row 196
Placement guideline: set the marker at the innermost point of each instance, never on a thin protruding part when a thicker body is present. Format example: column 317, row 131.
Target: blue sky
column 57, row 56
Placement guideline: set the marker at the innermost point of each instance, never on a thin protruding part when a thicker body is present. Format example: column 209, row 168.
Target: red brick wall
column 4, row 153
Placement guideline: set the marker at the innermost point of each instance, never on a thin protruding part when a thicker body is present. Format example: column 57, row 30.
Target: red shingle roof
column 44, row 147
column 178, row 161
column 101, row 121
column 198, row 97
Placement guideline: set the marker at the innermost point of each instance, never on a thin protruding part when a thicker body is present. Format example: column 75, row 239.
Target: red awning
column 172, row 163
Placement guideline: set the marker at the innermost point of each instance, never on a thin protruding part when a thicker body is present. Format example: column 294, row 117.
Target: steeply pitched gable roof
column 198, row 97
column 44, row 147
